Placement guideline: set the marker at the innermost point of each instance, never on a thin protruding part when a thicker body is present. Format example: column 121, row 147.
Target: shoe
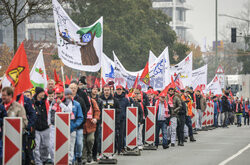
column 95, row 159
column 194, row 132
column 172, row 144
column 185, row 140
column 165, row 146
column 140, row 147
column 181, row 144
column 89, row 159
column 192, row 139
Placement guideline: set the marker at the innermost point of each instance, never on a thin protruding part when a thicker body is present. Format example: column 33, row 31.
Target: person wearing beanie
column 42, row 131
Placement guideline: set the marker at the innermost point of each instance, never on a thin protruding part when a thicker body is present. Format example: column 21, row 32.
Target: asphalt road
column 212, row 148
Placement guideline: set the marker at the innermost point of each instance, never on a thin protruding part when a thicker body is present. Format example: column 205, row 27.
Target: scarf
column 246, row 108
column 90, row 112
column 7, row 106
column 171, row 101
column 142, row 109
column 165, row 107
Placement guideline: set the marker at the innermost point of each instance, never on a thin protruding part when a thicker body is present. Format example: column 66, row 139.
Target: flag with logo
column 145, row 75
column 18, row 72
column 38, row 75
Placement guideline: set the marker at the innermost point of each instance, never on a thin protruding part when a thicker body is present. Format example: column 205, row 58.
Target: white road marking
column 235, row 155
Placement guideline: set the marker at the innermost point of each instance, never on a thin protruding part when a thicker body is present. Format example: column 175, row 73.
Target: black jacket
column 3, row 114
column 114, row 104
column 100, row 105
column 41, row 122
column 225, row 104
column 30, row 112
column 83, row 95
column 84, row 109
column 124, row 103
column 140, row 112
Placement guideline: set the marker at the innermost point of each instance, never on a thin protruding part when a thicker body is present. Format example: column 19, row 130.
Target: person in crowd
column 188, row 121
column 89, row 129
column 216, row 110
column 151, row 96
column 63, row 103
column 162, row 120
column 42, row 132
column 175, row 105
column 124, row 103
column 201, row 106
column 51, row 95
column 225, row 108
column 50, row 85
column 98, row 133
column 246, row 112
column 3, row 114
column 13, row 108
column 110, row 102
column 144, row 103
column 181, row 120
column 79, row 132
column 238, row 112
column 28, row 94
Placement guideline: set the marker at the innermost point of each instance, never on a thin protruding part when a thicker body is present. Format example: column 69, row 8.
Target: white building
column 176, row 9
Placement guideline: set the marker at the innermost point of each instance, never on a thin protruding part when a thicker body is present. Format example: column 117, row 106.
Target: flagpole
column 101, row 81
column 63, row 77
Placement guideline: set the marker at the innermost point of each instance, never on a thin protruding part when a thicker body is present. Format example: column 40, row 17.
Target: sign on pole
column 12, row 141
column 131, row 127
column 150, row 125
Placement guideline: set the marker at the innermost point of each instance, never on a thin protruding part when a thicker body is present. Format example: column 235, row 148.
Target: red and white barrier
column 193, row 117
column 108, row 131
column 204, row 119
column 62, row 137
column 212, row 113
column 208, row 109
column 150, row 125
column 131, row 127
column 12, row 141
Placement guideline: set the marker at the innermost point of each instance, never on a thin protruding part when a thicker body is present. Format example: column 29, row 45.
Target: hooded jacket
column 124, row 103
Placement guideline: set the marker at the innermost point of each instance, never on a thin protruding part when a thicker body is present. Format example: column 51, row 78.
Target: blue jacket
column 216, row 106
column 3, row 114
column 77, row 110
column 124, row 103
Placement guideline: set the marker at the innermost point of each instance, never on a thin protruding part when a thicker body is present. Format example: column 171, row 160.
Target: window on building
column 1, row 36
column 168, row 11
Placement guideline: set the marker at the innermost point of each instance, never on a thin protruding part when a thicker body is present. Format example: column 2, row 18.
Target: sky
column 202, row 18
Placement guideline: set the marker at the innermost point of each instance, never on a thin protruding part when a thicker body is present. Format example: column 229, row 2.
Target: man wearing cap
column 175, row 105
column 109, row 101
column 42, row 132
column 79, row 131
column 124, row 103
column 162, row 115
column 225, row 108
column 63, row 103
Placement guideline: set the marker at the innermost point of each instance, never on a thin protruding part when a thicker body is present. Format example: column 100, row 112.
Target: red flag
column 136, row 81
column 97, row 82
column 172, row 82
column 67, row 81
column 231, row 94
column 18, row 72
column 126, row 86
column 241, row 99
column 56, row 77
column 103, row 82
column 145, row 75
column 165, row 90
column 47, row 77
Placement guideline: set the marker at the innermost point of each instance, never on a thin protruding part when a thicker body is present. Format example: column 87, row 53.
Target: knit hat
column 67, row 92
column 39, row 90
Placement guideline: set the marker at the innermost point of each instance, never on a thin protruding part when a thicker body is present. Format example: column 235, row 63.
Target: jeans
column 52, row 142
column 96, row 142
column 219, row 119
column 121, row 142
column 238, row 119
column 199, row 119
column 215, row 119
column 225, row 118
column 246, row 119
column 139, row 138
column 161, row 125
column 79, row 143
column 41, row 152
column 188, row 122
column 173, row 127
column 180, row 128
column 88, row 145
column 72, row 146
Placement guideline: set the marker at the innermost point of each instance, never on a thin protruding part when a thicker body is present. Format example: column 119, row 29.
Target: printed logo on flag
column 14, row 74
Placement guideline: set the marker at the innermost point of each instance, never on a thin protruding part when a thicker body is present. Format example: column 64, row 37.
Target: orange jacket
column 189, row 105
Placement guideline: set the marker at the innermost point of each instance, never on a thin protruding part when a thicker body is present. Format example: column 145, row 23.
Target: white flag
column 79, row 48
column 214, row 86
column 184, row 69
column 151, row 58
column 199, row 77
column 108, row 72
column 38, row 74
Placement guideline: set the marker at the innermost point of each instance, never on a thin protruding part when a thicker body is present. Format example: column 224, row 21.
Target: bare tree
column 16, row 11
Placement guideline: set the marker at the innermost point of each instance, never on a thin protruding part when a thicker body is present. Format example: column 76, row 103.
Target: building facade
column 176, row 9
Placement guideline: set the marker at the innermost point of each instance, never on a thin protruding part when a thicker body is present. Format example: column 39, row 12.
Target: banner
column 199, row 77
column 151, row 58
column 38, row 73
column 78, row 48
column 214, row 86
column 184, row 69
column 108, row 73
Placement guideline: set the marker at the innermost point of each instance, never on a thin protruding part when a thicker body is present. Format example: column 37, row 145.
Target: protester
column 110, row 102
column 42, row 133
column 89, row 129
column 82, row 91
column 162, row 120
column 79, row 132
column 216, row 110
column 3, row 114
column 50, row 85
column 124, row 103
column 225, row 108
column 200, row 107
column 28, row 94
column 51, row 95
column 175, row 105
column 246, row 112
column 238, row 111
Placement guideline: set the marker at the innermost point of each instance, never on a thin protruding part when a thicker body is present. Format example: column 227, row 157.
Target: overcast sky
column 202, row 17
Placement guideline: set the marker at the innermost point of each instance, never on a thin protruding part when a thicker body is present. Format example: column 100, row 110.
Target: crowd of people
column 173, row 118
